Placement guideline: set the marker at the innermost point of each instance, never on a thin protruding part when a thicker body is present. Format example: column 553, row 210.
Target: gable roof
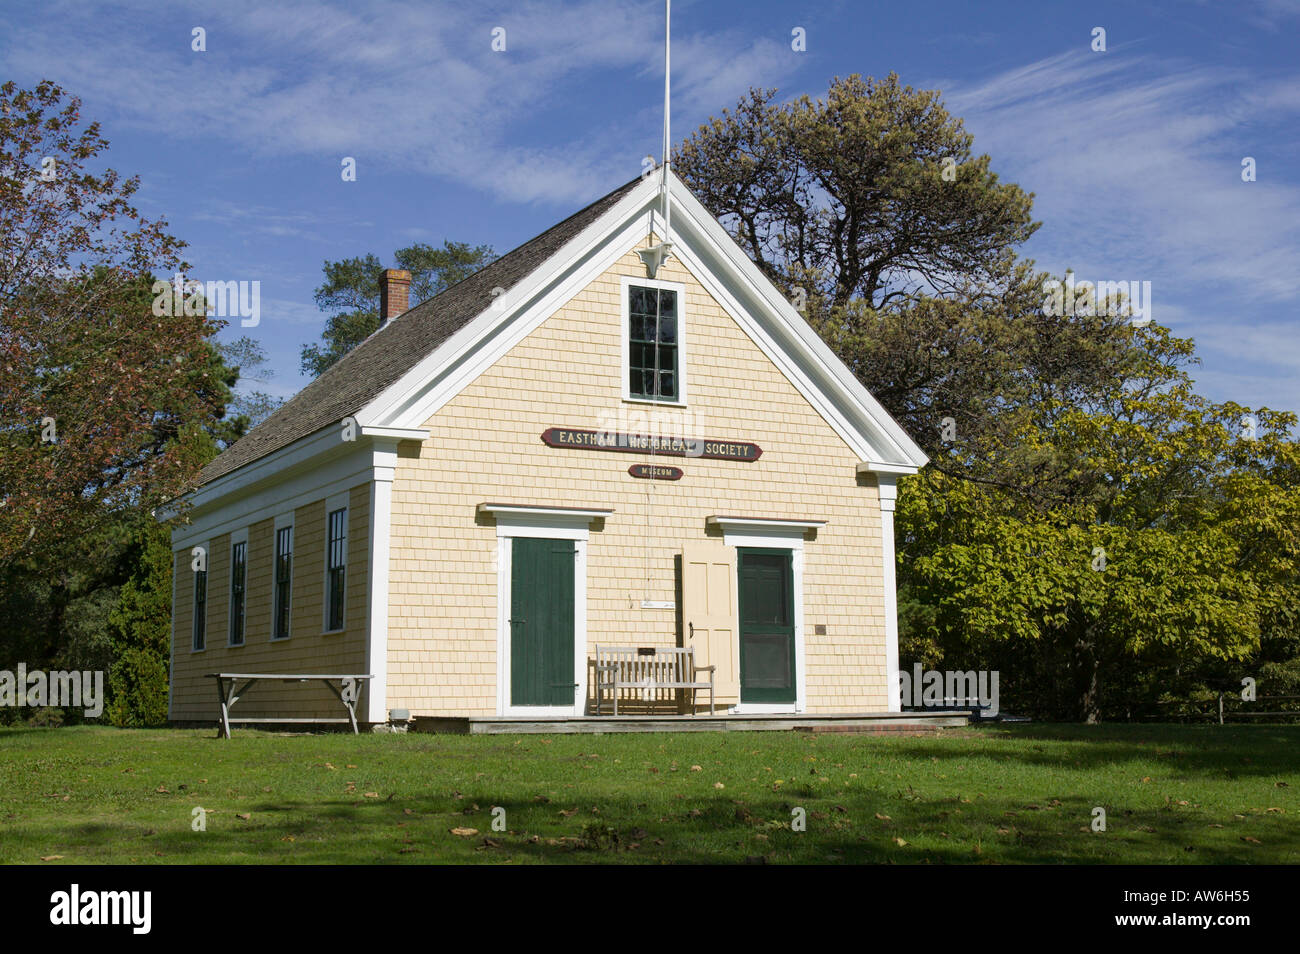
column 397, row 378
column 384, row 357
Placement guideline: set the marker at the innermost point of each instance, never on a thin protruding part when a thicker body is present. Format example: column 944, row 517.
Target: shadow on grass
column 875, row 826
column 1210, row 751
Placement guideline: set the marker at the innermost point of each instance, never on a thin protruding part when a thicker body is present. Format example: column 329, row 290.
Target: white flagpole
column 668, row 13
column 655, row 256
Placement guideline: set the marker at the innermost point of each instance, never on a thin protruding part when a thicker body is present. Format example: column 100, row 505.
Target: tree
column 140, row 629
column 849, row 194
column 870, row 209
column 1058, row 437
column 351, row 290
column 99, row 411
column 246, row 358
column 1170, row 544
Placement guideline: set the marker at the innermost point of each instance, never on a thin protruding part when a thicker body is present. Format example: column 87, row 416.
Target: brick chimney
column 394, row 294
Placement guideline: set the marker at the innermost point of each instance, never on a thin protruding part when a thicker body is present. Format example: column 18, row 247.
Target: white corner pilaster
column 381, row 519
column 888, row 490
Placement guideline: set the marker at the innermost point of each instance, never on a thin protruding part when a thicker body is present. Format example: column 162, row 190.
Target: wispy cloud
column 1136, row 164
column 411, row 86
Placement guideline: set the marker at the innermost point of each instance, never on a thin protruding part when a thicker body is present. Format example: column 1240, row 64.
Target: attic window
column 654, row 358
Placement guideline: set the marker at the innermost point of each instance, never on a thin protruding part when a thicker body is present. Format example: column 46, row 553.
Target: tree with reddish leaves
column 105, row 407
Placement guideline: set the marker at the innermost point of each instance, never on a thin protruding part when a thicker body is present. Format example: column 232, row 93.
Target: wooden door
column 766, row 596
column 709, row 614
column 541, row 622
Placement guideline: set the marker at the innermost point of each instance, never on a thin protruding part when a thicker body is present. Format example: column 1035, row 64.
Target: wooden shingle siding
column 308, row 648
column 485, row 446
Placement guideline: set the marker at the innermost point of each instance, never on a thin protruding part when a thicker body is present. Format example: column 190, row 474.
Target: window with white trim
column 200, row 608
column 336, row 568
column 653, row 343
column 283, row 582
column 238, row 583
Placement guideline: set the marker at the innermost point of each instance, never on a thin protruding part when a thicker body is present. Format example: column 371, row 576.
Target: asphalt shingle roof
column 364, row 372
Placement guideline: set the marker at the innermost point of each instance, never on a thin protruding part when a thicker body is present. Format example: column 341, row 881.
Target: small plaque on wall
column 655, row 472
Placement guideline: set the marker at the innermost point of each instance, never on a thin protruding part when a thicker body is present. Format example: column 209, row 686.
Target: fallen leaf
column 371, row 794
column 883, row 817
column 900, row 842
column 51, row 857
column 1253, row 841
column 464, row 832
column 245, row 815
column 718, row 785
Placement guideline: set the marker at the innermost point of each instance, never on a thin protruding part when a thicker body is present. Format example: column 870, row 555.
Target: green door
column 541, row 622
column 766, row 594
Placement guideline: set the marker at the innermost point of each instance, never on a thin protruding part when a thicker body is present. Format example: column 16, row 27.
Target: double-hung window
column 201, row 606
column 283, row 581
column 654, row 347
column 336, row 568
column 238, row 582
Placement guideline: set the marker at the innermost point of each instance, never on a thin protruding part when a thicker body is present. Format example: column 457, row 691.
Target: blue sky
column 1134, row 154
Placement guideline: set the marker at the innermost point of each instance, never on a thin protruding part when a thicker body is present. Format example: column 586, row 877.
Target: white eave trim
column 585, row 514
column 396, row 433
column 297, row 457
column 762, row 524
column 877, row 467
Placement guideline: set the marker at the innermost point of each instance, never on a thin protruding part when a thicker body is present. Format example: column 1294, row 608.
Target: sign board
column 655, row 471
column 573, row 438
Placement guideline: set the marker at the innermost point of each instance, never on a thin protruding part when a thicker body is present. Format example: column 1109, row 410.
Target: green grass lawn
column 1172, row 794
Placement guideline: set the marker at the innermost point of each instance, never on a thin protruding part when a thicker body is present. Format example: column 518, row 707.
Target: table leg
column 223, row 729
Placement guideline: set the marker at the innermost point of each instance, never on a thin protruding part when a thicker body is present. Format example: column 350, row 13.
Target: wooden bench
column 229, row 692
column 648, row 669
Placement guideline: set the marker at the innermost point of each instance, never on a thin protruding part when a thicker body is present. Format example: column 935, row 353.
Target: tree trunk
column 1088, row 670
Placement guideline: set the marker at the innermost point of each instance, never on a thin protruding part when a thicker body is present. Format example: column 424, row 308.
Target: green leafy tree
column 1166, row 542
column 351, row 291
column 140, row 630
column 1055, row 435
column 95, row 389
